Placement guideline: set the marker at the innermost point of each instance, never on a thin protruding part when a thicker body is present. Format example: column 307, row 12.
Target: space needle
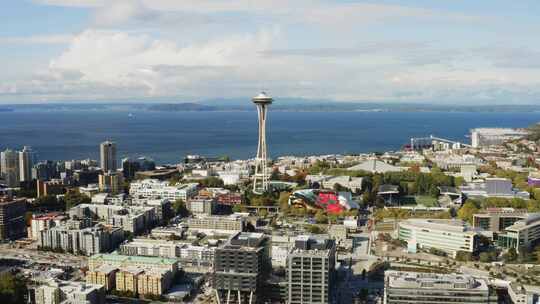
column 260, row 180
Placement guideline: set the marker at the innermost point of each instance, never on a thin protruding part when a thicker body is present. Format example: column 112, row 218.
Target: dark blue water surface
column 169, row 136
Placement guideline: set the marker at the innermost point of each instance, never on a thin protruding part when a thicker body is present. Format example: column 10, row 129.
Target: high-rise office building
column 12, row 221
column 132, row 166
column 107, row 152
column 240, row 268
column 45, row 170
column 311, row 270
column 9, row 163
column 27, row 158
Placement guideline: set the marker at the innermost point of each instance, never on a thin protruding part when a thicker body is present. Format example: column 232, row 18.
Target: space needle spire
column 260, row 179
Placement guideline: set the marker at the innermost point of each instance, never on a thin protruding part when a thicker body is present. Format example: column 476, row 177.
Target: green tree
column 467, row 211
column 179, row 208
column 332, row 218
column 321, row 218
column 212, row 182
column 459, row 181
column 12, row 289
column 433, row 191
column 314, row 229
column 284, row 201
column 463, row 256
column 49, row 202
column 339, row 188
column 485, row 257
column 363, row 295
column 511, row 255
column 239, row 208
column 73, row 198
column 263, row 212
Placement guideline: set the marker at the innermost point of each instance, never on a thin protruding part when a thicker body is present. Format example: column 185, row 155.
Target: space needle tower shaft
column 260, row 181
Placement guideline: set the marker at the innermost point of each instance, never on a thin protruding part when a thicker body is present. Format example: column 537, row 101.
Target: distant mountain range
column 281, row 104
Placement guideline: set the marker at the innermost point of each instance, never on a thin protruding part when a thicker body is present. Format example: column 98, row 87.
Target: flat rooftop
column 419, row 280
column 246, row 240
column 439, row 224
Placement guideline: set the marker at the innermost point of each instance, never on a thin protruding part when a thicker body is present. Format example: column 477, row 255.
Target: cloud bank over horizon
column 398, row 51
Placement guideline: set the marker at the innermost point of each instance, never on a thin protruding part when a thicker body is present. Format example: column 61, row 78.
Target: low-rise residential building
column 42, row 222
column 154, row 282
column 150, row 188
column 450, row 236
column 57, row 292
column 220, row 224
column 104, row 275
column 151, row 247
column 187, row 254
column 134, row 219
column 201, row 206
column 167, row 232
column 86, row 241
column 123, row 261
column 126, row 279
column 402, row 287
column 162, row 207
column 135, row 279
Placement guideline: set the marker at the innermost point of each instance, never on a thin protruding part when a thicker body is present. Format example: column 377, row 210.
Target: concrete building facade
column 425, row 288
column 311, row 270
column 240, row 267
column 12, row 219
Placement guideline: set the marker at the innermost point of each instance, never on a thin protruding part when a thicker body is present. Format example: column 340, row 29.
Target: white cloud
column 39, row 39
column 303, row 48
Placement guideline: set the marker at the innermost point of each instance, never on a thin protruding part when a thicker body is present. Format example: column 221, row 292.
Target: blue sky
column 188, row 50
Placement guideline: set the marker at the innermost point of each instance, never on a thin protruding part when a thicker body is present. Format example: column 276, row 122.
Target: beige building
column 126, row 279
column 155, row 282
column 111, row 182
column 142, row 281
column 224, row 224
column 104, row 275
column 58, row 292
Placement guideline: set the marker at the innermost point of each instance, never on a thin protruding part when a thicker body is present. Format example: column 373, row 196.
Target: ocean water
column 168, row 136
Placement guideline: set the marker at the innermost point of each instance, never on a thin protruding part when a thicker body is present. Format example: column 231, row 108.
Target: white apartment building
column 151, row 188
column 43, row 222
column 186, row 253
column 150, row 247
column 85, row 241
column 220, row 224
column 134, row 219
